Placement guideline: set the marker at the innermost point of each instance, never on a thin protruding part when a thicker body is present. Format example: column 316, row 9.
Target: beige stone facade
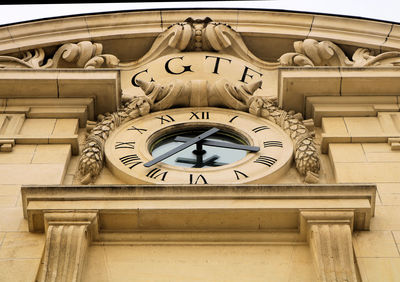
column 83, row 100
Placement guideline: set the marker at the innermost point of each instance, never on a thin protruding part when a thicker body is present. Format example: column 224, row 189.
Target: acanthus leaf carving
column 306, row 154
column 92, row 158
column 84, row 54
column 312, row 53
column 28, row 60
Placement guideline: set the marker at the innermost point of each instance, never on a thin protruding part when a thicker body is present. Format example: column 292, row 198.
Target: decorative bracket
column 329, row 236
column 68, row 236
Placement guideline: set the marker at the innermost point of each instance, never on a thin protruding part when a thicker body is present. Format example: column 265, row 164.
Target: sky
column 387, row 10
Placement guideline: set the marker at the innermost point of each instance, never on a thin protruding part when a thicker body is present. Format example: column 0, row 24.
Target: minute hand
column 185, row 145
column 222, row 144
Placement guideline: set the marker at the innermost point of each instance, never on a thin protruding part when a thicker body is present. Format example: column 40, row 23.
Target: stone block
column 375, row 244
column 18, row 270
column 338, row 110
column 335, row 126
column 393, row 156
column 52, row 154
column 123, row 25
column 388, row 188
column 32, row 173
column 363, row 33
column 367, row 172
column 370, row 81
column 66, row 127
column 16, row 157
column 376, row 147
column 393, row 40
column 379, row 269
column 396, row 235
column 10, row 219
column 27, row 82
column 274, row 23
column 363, row 126
column 22, row 245
column 73, row 165
column 386, row 218
column 348, row 153
column 38, row 127
column 390, row 199
column 96, row 269
column 211, row 263
column 8, row 201
column 10, row 190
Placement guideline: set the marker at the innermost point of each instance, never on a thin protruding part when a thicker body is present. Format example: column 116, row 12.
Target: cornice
column 249, row 23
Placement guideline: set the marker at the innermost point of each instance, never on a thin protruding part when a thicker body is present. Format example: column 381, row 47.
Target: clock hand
column 222, row 144
column 185, row 145
column 211, row 161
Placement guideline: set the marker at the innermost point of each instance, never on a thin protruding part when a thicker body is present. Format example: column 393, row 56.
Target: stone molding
column 329, row 236
column 131, row 202
column 68, row 235
column 101, row 85
column 31, row 35
column 297, row 85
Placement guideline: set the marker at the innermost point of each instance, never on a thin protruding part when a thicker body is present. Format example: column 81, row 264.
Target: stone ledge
column 102, row 85
column 299, row 84
column 263, row 212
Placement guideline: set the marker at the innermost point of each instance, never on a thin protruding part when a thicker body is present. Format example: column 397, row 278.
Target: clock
column 198, row 146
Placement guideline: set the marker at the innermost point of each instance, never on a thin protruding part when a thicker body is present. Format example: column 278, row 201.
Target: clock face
column 198, row 146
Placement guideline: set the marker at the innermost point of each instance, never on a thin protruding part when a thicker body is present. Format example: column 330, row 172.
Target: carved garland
column 159, row 97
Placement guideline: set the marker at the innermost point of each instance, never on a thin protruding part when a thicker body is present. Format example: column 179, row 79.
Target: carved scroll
column 28, row 60
column 84, row 54
column 325, row 53
column 306, row 154
column 200, row 35
column 67, row 239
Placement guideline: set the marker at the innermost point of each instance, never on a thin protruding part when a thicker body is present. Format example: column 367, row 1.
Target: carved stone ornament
column 177, row 93
column 200, row 35
column 310, row 52
column 84, row 54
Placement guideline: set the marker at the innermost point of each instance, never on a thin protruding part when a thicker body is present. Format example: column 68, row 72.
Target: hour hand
column 185, row 145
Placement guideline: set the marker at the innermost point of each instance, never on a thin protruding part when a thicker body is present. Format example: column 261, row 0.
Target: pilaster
column 67, row 239
column 329, row 235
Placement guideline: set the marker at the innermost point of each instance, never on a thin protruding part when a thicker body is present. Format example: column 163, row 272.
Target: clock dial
column 198, row 146
column 221, row 148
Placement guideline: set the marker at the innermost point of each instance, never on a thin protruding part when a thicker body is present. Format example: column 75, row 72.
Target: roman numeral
column 137, row 129
column 238, row 173
column 273, row 144
column 204, row 115
column 166, row 118
column 260, row 128
column 232, row 119
column 199, row 178
column 268, row 161
column 130, row 160
column 125, row 145
column 155, row 173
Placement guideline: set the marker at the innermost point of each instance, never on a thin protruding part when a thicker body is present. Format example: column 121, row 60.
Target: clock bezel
column 136, row 175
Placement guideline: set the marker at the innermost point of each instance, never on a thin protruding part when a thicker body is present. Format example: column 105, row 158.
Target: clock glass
column 216, row 150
